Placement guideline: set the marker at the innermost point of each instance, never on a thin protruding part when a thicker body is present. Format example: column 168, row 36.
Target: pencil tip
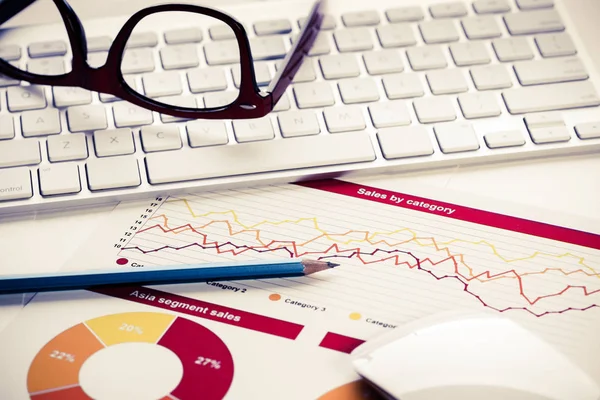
column 312, row 266
column 332, row 265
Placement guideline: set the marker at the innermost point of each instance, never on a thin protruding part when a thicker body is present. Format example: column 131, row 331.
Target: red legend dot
column 122, row 261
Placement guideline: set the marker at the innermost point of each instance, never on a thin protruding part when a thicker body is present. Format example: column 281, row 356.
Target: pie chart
column 132, row 355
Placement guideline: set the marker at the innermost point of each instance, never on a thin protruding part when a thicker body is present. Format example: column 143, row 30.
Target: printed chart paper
column 402, row 257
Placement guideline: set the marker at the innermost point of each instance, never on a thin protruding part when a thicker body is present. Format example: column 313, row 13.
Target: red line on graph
column 418, row 264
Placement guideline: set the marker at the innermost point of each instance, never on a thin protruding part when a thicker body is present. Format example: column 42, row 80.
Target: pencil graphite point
column 312, row 266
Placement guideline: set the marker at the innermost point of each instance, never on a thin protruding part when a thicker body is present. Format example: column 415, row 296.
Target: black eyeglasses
column 112, row 77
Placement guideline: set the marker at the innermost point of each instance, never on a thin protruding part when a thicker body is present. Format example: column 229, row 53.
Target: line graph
column 493, row 268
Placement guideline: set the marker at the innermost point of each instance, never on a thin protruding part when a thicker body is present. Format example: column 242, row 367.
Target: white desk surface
column 565, row 184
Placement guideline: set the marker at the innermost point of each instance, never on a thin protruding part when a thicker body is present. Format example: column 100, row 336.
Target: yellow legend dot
column 355, row 316
column 275, row 297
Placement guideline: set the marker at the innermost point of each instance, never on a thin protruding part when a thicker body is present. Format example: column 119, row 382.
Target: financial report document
column 403, row 255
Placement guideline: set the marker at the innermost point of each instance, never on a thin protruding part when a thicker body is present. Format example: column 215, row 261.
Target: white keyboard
column 390, row 86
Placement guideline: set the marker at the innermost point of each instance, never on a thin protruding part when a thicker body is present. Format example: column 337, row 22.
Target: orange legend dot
column 274, row 297
column 355, row 316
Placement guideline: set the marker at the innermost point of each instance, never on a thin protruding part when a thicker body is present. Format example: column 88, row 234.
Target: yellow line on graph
column 369, row 238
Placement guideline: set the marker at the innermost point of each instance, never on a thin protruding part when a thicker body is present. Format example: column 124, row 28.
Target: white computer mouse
column 470, row 356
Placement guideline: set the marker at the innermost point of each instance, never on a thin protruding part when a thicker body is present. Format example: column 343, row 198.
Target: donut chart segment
column 130, row 327
column 207, row 362
column 71, row 393
column 58, row 363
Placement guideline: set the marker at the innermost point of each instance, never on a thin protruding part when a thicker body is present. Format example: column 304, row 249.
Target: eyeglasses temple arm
column 299, row 51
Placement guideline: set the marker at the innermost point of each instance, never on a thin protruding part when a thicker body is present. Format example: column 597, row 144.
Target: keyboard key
column 276, row 155
column 389, row 113
column 471, row 53
column 127, row 114
column 181, row 101
column 65, row 96
column 456, row 137
column 206, row 133
column 447, row 81
column 7, row 127
column 491, row 77
column 534, row 4
column 99, row 43
column 383, row 62
column 179, row 56
column 448, row 10
column 283, row 104
column 142, row 39
column 402, row 86
column 481, row 27
column 10, row 52
column 327, row 24
column 137, row 60
column 222, row 52
column 40, row 122
column 162, row 84
column 306, row 72
column 15, row 184
column 361, row 18
column 113, row 173
column 479, row 105
column 526, row 23
column 396, row 35
column 267, row 48
column 86, row 118
column 317, row 94
column 320, row 46
column 555, row 45
column 113, row 142
column 404, row 142
column 15, row 153
column 46, row 49
column 491, row 6
column 551, row 97
column 50, row 66
column 207, row 80
column 59, row 179
column 339, row 66
column 344, row 119
column 184, row 35
column 160, row 138
column 544, row 120
column 219, row 99
column 405, row 14
column 261, row 71
column 221, row 32
column 272, row 27
column 353, row 39
column 426, row 57
column 434, row 109
column 251, row 130
column 96, row 60
column 552, row 134
column 298, row 123
column 442, row 31
column 358, row 90
column 550, row 71
column 495, row 140
column 69, row 147
column 21, row 98
column 512, row 49
column 588, row 131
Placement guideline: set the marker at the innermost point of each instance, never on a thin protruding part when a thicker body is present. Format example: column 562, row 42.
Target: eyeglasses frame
column 108, row 78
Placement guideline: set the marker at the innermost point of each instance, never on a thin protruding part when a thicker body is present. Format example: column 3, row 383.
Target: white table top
column 565, row 184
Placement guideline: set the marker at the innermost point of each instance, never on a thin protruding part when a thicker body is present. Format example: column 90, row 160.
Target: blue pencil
column 74, row 280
